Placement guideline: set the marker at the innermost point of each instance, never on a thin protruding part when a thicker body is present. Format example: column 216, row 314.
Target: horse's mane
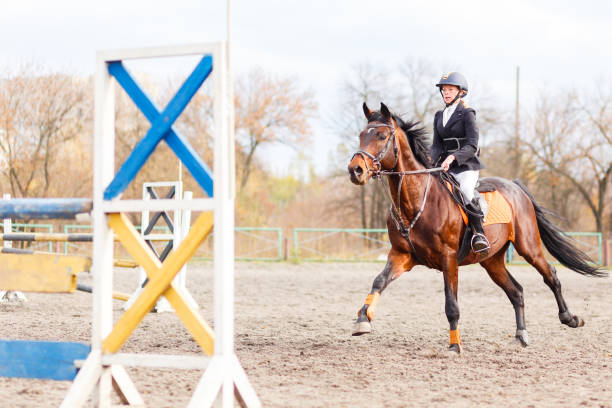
column 416, row 135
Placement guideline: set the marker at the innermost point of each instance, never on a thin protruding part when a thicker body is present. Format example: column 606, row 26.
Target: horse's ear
column 367, row 111
column 385, row 111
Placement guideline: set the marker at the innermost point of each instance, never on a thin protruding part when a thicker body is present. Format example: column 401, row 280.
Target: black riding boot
column 475, row 216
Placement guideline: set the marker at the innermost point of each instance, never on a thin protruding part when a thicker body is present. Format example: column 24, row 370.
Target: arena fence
column 251, row 243
column 362, row 244
column 590, row 243
column 259, row 244
column 340, row 244
column 309, row 244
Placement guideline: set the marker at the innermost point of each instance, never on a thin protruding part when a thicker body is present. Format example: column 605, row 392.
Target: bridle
column 377, row 172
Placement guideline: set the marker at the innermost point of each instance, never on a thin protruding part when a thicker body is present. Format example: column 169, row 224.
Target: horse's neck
column 410, row 196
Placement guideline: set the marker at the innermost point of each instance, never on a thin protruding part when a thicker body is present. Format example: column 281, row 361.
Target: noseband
column 376, row 160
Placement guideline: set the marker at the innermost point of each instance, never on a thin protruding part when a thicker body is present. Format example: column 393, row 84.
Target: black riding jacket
column 459, row 137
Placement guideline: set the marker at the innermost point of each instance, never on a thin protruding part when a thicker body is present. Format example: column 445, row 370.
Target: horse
column 425, row 225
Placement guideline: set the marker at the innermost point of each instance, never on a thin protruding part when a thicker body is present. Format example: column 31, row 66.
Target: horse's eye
column 381, row 136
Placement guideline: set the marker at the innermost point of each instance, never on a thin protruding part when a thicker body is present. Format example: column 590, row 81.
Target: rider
column 455, row 148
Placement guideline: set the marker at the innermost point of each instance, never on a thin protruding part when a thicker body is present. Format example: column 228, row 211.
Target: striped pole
column 46, row 236
column 62, row 237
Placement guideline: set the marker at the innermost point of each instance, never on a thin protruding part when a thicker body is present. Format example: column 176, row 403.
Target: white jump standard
column 224, row 379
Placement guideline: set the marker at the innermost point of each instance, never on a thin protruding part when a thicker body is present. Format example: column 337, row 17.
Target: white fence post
column 7, row 295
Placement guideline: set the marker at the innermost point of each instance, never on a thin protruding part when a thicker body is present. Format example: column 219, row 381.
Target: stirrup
column 486, row 243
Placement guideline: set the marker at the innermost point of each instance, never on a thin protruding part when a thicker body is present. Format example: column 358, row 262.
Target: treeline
column 46, row 136
column 562, row 151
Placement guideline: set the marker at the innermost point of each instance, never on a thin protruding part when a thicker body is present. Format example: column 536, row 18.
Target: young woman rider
column 455, row 148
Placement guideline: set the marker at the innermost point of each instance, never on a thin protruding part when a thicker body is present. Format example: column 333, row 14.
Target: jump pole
column 45, row 237
column 57, row 237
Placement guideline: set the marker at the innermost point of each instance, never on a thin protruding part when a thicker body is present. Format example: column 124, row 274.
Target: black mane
column 416, row 135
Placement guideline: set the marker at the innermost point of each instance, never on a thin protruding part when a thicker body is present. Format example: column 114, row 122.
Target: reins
column 407, row 173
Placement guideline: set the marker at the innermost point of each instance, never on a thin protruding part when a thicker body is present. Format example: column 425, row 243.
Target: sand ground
column 293, row 326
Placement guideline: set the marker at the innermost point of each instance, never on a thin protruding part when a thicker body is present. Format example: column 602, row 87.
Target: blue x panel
column 161, row 128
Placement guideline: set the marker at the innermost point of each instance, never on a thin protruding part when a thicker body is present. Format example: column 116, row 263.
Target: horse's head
column 377, row 146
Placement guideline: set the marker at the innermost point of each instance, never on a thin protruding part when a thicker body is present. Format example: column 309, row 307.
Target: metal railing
column 272, row 239
column 251, row 244
column 340, row 244
column 591, row 243
column 312, row 244
column 363, row 244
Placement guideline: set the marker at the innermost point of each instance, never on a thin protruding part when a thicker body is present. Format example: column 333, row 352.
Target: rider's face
column 449, row 92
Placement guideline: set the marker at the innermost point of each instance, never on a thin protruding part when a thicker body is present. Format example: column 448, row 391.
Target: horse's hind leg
column 397, row 263
column 532, row 252
column 496, row 268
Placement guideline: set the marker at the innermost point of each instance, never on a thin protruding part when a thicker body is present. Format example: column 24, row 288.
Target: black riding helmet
column 456, row 79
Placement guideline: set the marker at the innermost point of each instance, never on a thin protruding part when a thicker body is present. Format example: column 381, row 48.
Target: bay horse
column 425, row 225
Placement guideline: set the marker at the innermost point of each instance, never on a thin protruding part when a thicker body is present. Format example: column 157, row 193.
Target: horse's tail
column 558, row 244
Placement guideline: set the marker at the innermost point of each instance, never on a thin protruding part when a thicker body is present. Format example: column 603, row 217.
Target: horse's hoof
column 522, row 337
column 456, row 348
column 362, row 328
column 571, row 320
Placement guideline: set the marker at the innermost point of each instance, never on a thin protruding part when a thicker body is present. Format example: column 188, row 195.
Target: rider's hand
column 447, row 162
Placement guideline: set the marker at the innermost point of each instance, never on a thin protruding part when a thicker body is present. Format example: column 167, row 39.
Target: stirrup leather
column 486, row 241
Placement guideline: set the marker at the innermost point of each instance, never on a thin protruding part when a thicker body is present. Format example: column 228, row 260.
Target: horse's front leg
column 451, row 306
column 397, row 263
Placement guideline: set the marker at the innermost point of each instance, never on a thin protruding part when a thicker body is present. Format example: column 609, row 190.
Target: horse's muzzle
column 357, row 172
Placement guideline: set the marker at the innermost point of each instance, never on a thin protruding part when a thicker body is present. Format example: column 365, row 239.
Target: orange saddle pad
column 499, row 212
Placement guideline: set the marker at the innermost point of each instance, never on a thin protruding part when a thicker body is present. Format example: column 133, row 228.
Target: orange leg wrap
column 372, row 301
column 455, row 337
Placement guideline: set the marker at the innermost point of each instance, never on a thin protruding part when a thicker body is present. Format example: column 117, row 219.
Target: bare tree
column 365, row 83
column 270, row 110
column 39, row 114
column 415, row 91
column 573, row 140
column 597, row 108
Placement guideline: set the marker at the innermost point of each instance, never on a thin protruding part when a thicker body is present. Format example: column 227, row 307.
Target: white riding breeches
column 467, row 182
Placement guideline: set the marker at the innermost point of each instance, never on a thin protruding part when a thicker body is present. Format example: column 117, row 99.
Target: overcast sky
column 557, row 44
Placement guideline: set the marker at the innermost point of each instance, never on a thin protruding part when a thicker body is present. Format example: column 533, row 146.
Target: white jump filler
column 178, row 224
